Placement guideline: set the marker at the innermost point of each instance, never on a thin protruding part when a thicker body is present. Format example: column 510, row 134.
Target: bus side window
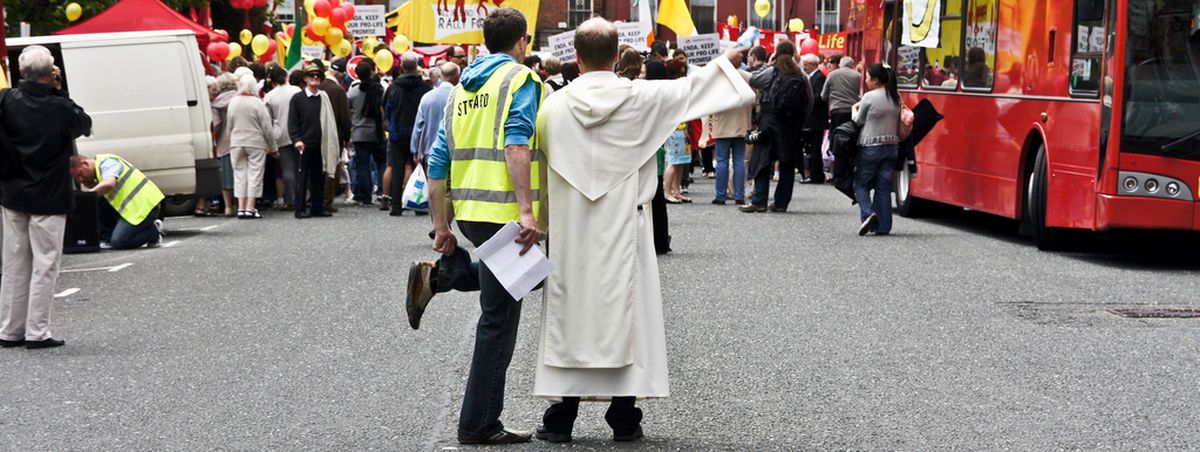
column 1087, row 47
column 908, row 57
column 980, row 42
column 940, row 64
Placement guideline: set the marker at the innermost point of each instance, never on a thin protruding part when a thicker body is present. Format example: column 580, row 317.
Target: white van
column 148, row 100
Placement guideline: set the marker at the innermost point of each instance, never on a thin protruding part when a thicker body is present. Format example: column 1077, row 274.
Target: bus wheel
column 1046, row 238
column 175, row 206
column 909, row 206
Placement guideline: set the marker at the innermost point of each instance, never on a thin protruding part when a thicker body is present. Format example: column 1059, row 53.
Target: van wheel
column 1046, row 238
column 909, row 206
column 176, row 206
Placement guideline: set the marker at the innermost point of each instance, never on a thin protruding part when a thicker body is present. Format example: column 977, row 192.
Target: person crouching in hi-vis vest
column 483, row 147
column 130, row 193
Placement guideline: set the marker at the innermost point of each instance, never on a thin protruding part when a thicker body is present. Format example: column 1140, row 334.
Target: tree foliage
column 47, row 16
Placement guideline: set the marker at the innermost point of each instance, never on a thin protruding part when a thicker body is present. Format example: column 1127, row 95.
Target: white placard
column 518, row 274
column 317, row 51
column 922, row 24
column 562, row 46
column 632, row 33
column 1096, row 41
column 368, row 21
column 701, row 49
column 1081, row 38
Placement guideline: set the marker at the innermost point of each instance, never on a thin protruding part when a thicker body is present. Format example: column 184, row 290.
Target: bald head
column 449, row 73
column 408, row 63
column 596, row 45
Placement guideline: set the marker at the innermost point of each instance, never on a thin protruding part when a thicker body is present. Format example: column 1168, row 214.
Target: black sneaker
column 11, row 344
column 753, row 208
column 868, row 225
column 631, row 436
column 719, row 202
column 772, row 207
column 551, row 437
column 505, row 436
column 48, row 343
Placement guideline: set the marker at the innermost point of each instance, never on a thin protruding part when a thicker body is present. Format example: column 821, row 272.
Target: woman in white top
column 251, row 136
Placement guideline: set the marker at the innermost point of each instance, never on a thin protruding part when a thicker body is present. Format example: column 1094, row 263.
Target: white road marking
column 170, row 244
column 96, row 269
column 67, row 293
column 120, row 267
column 209, row 228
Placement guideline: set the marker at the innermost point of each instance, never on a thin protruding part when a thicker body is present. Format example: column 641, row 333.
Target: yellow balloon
column 308, row 7
column 384, row 61
column 796, row 25
column 320, row 26
column 260, row 44
column 732, row 21
column 368, row 46
column 73, row 12
column 342, row 48
column 400, row 44
column 235, row 51
column 762, row 8
column 334, row 37
column 245, row 36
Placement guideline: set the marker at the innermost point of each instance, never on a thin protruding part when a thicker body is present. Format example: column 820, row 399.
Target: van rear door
column 137, row 93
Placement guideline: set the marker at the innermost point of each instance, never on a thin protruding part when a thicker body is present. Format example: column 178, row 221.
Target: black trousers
column 401, row 158
column 813, row 160
column 706, row 157
column 310, row 176
column 622, row 415
column 658, row 212
column 841, row 168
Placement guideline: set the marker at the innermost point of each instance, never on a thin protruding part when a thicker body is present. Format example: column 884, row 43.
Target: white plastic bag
column 416, row 195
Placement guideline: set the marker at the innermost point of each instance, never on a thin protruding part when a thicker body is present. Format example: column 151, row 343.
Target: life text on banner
column 368, row 21
column 634, row 34
column 701, row 49
column 562, row 46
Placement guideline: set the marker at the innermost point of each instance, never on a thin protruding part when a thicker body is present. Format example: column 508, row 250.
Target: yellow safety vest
column 479, row 181
column 134, row 196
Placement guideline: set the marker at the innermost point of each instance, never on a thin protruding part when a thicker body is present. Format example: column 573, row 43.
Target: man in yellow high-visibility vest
column 130, row 193
column 483, row 147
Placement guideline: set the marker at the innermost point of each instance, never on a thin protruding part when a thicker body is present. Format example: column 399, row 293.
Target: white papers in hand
column 519, row 274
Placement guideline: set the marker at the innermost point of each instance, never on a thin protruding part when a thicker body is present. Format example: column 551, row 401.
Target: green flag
column 294, row 53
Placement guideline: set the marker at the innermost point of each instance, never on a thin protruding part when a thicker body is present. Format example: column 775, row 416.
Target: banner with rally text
column 461, row 21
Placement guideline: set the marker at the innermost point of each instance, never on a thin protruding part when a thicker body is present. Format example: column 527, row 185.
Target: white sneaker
column 105, row 245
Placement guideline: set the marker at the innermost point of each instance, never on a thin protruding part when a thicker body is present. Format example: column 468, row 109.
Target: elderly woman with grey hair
column 251, row 135
column 227, row 86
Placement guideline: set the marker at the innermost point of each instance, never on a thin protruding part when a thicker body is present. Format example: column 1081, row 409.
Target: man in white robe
column 602, row 325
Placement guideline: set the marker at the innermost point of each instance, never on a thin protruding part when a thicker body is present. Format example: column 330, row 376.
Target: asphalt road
column 786, row 332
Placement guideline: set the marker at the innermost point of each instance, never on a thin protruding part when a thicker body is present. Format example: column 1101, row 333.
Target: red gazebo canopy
column 141, row 15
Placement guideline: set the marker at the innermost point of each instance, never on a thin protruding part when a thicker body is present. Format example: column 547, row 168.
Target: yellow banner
column 457, row 22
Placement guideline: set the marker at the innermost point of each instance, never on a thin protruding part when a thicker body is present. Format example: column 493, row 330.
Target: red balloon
column 260, row 3
column 291, row 30
column 312, row 35
column 218, row 51
column 272, row 47
column 335, row 3
column 810, row 46
column 224, row 35
column 349, row 9
column 337, row 18
column 322, row 8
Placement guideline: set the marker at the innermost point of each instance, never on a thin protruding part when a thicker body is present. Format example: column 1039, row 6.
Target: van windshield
column 1162, row 84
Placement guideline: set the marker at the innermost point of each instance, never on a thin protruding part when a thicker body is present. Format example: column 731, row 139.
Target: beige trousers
column 33, row 247
column 248, row 165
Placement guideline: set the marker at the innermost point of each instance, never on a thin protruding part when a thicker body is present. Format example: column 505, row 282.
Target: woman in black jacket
column 784, row 104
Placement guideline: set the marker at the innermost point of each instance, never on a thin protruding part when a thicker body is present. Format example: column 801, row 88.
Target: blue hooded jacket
column 521, row 114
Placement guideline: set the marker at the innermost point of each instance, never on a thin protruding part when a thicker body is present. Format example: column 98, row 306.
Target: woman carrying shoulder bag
column 879, row 115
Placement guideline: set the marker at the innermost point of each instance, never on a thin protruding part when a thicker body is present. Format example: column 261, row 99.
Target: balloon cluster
column 264, row 48
column 327, row 25
column 247, row 4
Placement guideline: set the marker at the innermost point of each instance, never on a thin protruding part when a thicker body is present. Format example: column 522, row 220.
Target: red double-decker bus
column 1065, row 114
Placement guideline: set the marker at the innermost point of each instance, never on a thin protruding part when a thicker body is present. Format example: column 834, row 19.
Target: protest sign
column 701, row 49
column 562, row 46
column 368, row 21
column 634, row 34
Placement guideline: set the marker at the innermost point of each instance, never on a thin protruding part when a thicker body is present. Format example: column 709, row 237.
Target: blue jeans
column 495, row 334
column 122, row 235
column 366, row 152
column 876, row 169
column 738, row 148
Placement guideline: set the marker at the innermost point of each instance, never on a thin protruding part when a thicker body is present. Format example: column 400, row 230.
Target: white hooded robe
column 602, row 322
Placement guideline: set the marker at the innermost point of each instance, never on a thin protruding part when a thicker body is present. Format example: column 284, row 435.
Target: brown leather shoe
column 505, row 436
column 420, row 291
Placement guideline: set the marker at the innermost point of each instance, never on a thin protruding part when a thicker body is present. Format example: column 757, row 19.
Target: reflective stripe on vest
column 479, row 181
column 134, row 196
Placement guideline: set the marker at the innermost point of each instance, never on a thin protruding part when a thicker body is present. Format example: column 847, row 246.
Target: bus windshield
column 1162, row 84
